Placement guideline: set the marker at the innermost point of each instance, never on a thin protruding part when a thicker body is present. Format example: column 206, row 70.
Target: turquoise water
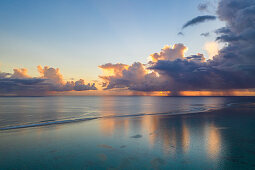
column 127, row 133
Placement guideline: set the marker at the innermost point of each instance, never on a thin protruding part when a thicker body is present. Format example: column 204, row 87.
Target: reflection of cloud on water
column 149, row 126
column 185, row 137
column 107, row 126
column 173, row 136
column 213, row 141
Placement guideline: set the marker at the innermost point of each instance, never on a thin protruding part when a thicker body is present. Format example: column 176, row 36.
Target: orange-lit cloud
column 20, row 73
column 212, row 49
column 51, row 80
column 169, row 53
column 170, row 70
column 51, row 74
column 113, row 69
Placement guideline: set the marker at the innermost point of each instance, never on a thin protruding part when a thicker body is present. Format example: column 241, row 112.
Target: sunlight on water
column 213, row 141
column 125, row 135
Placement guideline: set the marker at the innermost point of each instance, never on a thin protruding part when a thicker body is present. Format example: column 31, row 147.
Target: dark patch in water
column 105, row 146
column 102, row 157
column 53, row 151
column 157, row 162
column 126, row 163
column 123, row 146
column 136, row 136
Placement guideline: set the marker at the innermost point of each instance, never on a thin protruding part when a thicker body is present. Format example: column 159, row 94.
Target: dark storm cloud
column 23, row 87
column 239, row 32
column 196, row 76
column 198, row 20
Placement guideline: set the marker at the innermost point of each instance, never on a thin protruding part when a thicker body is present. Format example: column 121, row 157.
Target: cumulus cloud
column 20, row 73
column 153, row 76
column 114, row 69
column 21, row 84
column 232, row 67
column 198, row 20
column 51, row 74
column 177, row 51
column 135, row 77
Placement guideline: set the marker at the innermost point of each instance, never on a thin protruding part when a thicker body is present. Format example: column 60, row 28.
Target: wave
column 73, row 120
column 47, row 123
column 53, row 122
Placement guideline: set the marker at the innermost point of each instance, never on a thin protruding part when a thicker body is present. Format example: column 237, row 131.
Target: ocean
column 127, row 132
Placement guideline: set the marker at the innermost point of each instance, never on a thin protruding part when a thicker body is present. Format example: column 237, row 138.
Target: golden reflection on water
column 174, row 135
column 107, row 126
column 185, row 137
column 149, row 126
column 170, row 141
column 213, row 141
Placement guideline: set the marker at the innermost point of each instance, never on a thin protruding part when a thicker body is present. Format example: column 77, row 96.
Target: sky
column 80, row 36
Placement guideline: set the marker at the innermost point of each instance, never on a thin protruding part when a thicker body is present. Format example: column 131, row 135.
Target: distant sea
column 127, row 132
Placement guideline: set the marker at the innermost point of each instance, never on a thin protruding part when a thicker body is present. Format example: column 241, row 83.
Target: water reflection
column 172, row 135
column 213, row 141
column 149, row 125
column 185, row 137
column 193, row 141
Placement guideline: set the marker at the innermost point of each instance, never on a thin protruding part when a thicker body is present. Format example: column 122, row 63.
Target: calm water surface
column 128, row 133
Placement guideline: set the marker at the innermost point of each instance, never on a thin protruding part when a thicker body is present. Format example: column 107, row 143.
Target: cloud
column 4, row 75
column 232, row 67
column 155, row 76
column 114, row 69
column 180, row 33
column 53, row 77
column 22, row 87
column 198, row 20
column 212, row 49
column 51, row 74
column 239, row 33
column 51, row 80
column 177, row 51
column 20, row 73
column 206, row 34
column 203, row 7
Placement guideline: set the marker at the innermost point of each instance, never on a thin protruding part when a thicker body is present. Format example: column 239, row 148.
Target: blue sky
column 77, row 36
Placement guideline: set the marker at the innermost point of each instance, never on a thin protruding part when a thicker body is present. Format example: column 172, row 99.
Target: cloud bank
column 51, row 80
column 170, row 70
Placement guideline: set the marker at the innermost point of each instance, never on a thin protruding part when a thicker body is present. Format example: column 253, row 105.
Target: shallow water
column 16, row 112
column 168, row 139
